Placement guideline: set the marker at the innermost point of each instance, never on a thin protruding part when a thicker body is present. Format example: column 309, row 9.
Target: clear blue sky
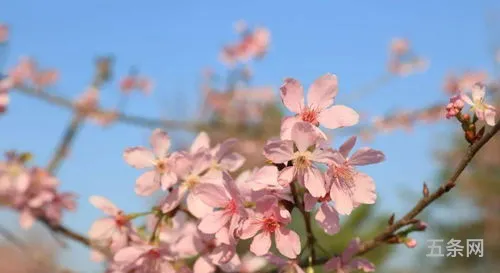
column 172, row 41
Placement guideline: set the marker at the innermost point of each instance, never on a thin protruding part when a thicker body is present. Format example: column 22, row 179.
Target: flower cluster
column 253, row 44
column 32, row 191
column 207, row 210
column 402, row 60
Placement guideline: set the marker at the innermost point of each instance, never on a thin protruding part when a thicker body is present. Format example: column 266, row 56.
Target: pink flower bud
column 410, row 242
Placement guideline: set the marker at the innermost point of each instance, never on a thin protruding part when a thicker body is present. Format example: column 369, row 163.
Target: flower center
column 153, row 253
column 231, row 207
column 310, row 115
column 270, row 224
column 345, row 175
column 161, row 165
column 121, row 219
column 192, row 181
column 301, row 160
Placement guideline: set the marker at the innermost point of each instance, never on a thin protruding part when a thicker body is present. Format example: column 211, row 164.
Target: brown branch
column 311, row 240
column 138, row 121
column 64, row 146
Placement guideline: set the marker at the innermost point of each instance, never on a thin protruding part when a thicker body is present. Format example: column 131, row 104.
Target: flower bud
column 410, row 242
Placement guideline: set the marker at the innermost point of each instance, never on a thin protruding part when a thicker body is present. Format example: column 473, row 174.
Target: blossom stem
column 63, row 148
column 311, row 240
column 156, row 228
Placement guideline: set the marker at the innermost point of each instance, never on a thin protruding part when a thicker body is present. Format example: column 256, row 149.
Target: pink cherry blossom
column 163, row 174
column 111, row 231
column 228, row 203
column 326, row 216
column 482, row 110
column 267, row 221
column 410, row 243
column 346, row 262
column 298, row 152
column 4, row 33
column 262, row 182
column 285, row 266
column 454, row 106
column 215, row 251
column 319, row 109
column 4, row 99
column 144, row 259
column 349, row 186
column 133, row 82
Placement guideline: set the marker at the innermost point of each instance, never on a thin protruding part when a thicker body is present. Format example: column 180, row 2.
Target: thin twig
column 121, row 117
column 64, row 146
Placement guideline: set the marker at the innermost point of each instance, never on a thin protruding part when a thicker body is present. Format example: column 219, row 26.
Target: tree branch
column 121, row 117
column 64, row 145
column 311, row 240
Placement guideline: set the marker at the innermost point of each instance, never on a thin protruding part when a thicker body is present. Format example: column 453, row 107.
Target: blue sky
column 172, row 41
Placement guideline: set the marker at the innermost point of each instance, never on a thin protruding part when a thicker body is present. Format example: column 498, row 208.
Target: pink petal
column 197, row 207
column 233, row 264
column 323, row 155
column 201, row 142
column 292, row 95
column 147, row 183
column 104, row 204
column 346, row 148
column 101, row 229
column 466, row 99
column 338, row 116
column 139, row 157
column 478, row 92
column 119, row 240
column 130, row 254
column 364, row 192
column 303, row 135
column 489, row 116
column 213, row 222
column 160, row 141
column 212, row 195
column 309, row 202
column 314, row 182
column 286, row 127
column 263, row 177
column 366, row 156
column 232, row 162
column 261, row 244
column 249, row 228
column 287, row 242
column 279, row 151
column 362, row 264
column 333, row 264
column 343, row 203
column 328, row 219
column 286, row 175
column 167, row 180
column 322, row 92
column 173, row 199
column 203, row 265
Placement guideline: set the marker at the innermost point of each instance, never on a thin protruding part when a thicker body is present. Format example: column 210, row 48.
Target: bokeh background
column 178, row 45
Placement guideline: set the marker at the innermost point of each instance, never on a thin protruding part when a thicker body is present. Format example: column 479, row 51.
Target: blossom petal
column 160, row 141
column 366, row 156
column 292, row 95
column 261, row 244
column 232, row 162
column 26, row 219
column 263, row 177
column 203, row 265
column 466, row 98
column 286, row 175
column 197, row 207
column 101, row 229
column 286, row 127
column 201, row 142
column 287, row 242
column 314, row 182
column 147, row 183
column 249, row 228
column 322, row 92
column 364, row 192
column 478, row 92
column 130, row 254
column 347, row 146
column 167, row 180
column 214, row 221
column 304, row 135
column 104, row 204
column 212, row 195
column 279, row 151
column 309, row 202
column 338, row 116
column 328, row 219
column 139, row 157
column 362, row 264
column 489, row 116
column 173, row 199
column 343, row 203
column 333, row 264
